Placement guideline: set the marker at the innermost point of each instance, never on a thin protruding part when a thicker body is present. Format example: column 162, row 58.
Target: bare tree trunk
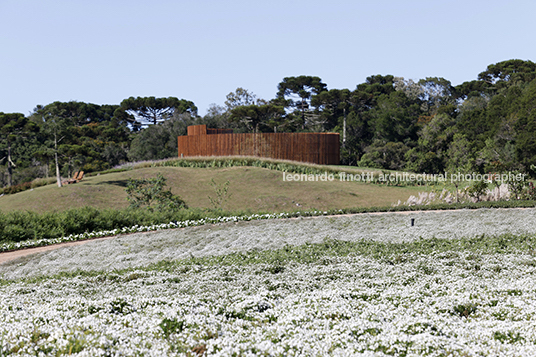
column 303, row 113
column 9, row 166
column 344, row 130
column 58, row 177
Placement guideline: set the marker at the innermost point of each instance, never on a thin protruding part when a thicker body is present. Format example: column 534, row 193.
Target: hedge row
column 20, row 226
column 26, row 186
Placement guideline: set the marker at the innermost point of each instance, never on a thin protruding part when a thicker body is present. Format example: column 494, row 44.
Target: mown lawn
column 251, row 188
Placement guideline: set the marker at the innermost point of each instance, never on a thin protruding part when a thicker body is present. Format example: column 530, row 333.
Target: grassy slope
column 252, row 188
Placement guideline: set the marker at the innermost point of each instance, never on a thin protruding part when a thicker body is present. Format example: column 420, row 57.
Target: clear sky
column 105, row 51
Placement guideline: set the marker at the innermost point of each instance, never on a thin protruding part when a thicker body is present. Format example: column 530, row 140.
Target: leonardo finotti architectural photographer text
column 403, row 176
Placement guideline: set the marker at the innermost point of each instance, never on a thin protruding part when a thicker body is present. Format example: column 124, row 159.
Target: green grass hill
column 250, row 188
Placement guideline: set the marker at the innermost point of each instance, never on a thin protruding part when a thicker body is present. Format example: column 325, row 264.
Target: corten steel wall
column 219, row 131
column 317, row 148
column 203, row 130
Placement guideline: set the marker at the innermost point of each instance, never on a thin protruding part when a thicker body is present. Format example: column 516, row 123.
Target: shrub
column 19, row 226
column 222, row 194
column 149, row 193
column 516, row 187
column 478, row 189
column 26, row 186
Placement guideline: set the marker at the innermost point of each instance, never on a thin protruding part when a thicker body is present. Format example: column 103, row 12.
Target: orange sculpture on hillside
column 316, row 148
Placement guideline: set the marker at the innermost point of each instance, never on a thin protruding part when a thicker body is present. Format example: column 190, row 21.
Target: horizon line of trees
column 387, row 122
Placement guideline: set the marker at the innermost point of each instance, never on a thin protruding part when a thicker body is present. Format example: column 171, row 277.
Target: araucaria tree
column 254, row 116
column 296, row 92
column 151, row 110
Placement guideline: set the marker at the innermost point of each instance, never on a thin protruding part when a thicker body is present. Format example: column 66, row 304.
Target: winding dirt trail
column 7, row 256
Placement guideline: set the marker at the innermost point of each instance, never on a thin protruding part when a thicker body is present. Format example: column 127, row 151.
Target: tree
column 373, row 88
column 497, row 156
column 245, row 112
column 380, row 117
column 436, row 92
column 151, row 110
column 55, row 120
column 13, row 126
column 217, row 117
column 460, row 155
column 241, row 97
column 334, row 105
column 395, row 118
column 159, row 141
column 411, row 88
column 472, row 89
column 89, row 137
column 296, row 92
column 430, row 153
column 432, row 92
column 526, row 127
column 80, row 113
column 384, row 156
column 508, row 72
column 253, row 116
column 356, row 109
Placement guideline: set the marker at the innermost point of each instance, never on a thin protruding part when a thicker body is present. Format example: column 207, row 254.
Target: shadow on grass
column 121, row 183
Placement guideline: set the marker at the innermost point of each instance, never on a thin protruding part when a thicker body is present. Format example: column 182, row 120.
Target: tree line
column 483, row 125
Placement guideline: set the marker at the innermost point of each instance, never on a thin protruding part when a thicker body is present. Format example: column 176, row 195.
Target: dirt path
column 7, row 256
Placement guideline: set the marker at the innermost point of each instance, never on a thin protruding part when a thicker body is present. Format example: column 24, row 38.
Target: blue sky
column 105, row 51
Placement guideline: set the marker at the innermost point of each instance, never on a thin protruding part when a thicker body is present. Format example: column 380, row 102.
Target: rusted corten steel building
column 316, row 148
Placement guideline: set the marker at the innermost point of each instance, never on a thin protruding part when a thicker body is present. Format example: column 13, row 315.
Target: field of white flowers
column 458, row 283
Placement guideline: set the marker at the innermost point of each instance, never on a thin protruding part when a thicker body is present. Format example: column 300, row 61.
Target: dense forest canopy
column 483, row 125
